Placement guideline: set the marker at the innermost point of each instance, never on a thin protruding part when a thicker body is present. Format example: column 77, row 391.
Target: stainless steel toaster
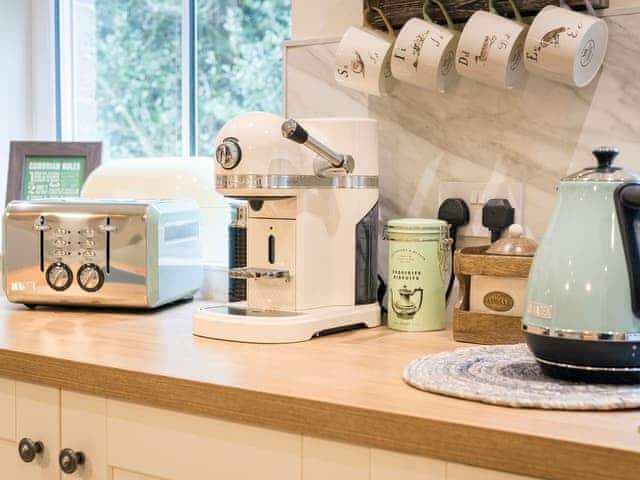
column 115, row 253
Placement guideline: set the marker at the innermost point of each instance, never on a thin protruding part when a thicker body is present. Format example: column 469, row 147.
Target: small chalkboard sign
column 50, row 169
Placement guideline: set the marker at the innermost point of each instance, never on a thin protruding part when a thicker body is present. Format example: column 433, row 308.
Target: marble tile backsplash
column 536, row 133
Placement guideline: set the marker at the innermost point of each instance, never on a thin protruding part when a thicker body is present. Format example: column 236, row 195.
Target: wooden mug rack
column 399, row 11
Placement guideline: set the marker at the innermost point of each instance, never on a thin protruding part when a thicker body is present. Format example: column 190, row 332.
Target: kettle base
column 586, row 360
column 575, row 373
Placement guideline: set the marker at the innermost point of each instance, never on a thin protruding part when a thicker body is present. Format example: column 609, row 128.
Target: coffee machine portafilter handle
column 292, row 130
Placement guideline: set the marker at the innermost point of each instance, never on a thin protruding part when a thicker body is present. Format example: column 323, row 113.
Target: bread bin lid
column 605, row 171
column 514, row 244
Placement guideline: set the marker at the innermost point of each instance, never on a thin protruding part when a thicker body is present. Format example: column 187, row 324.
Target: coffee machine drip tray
column 244, row 311
column 238, row 323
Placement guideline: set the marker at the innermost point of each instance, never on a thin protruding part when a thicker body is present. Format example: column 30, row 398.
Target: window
column 160, row 77
column 239, row 61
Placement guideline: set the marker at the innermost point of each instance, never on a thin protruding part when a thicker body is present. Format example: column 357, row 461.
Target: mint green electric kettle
column 582, row 318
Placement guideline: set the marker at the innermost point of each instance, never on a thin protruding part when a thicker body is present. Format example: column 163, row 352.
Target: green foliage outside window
column 239, row 61
column 139, row 69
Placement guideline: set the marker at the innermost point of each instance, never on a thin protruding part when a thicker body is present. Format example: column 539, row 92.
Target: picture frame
column 50, row 169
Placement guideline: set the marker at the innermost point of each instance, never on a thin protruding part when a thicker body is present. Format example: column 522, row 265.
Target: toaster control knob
column 90, row 277
column 59, row 276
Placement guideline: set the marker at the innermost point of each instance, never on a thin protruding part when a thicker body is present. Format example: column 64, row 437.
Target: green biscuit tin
column 418, row 249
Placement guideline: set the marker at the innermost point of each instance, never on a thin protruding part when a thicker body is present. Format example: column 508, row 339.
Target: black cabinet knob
column 28, row 449
column 70, row 460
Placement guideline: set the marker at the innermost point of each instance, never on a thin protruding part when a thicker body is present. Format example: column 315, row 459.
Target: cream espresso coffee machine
column 312, row 227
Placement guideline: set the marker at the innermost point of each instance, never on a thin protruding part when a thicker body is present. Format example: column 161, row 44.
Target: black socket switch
column 497, row 214
column 455, row 212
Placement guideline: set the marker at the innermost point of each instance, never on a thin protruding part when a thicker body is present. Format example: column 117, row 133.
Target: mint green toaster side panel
column 174, row 247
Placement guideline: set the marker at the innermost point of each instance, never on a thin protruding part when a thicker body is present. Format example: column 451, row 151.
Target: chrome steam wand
column 339, row 163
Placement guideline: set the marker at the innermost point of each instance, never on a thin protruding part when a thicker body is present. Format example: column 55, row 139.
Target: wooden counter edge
column 483, row 447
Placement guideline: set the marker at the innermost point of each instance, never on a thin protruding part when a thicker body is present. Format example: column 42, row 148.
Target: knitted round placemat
column 509, row 375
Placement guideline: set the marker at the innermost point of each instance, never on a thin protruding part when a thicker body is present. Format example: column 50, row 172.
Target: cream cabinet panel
column 386, row 465
column 179, row 446
column 9, row 460
column 325, row 459
column 7, row 409
column 38, row 418
column 84, row 429
column 457, row 471
column 125, row 475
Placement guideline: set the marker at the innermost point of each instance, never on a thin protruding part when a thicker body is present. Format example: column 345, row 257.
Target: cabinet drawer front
column 38, row 418
column 125, row 475
column 83, row 429
column 187, row 447
column 7, row 409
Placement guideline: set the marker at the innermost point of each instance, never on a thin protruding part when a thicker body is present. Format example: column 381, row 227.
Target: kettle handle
column 627, row 201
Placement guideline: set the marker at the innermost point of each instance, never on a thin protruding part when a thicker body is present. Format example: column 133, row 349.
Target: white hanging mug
column 424, row 52
column 490, row 49
column 566, row 46
column 362, row 59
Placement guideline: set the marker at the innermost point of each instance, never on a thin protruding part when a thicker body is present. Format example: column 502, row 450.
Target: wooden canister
column 500, row 285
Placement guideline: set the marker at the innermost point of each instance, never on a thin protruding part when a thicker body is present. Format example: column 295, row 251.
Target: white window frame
column 43, row 78
column 67, row 109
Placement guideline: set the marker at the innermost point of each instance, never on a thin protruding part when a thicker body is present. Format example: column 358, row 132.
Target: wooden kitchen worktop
column 345, row 387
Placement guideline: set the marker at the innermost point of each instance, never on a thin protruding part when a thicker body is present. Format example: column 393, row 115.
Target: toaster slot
column 42, row 227
column 108, row 246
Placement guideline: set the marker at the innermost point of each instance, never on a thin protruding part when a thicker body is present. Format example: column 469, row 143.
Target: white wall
column 535, row 134
column 16, row 120
column 312, row 19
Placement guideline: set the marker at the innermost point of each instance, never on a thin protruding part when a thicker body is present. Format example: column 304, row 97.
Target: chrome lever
column 339, row 163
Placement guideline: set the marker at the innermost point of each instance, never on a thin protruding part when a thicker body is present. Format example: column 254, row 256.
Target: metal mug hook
column 587, row 3
column 445, row 14
column 384, row 18
column 514, row 7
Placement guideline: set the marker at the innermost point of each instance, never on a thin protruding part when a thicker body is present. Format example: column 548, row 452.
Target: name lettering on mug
column 437, row 41
column 574, row 33
column 504, row 42
column 553, row 39
column 463, row 59
column 400, row 53
column 487, row 43
column 374, row 57
column 416, row 47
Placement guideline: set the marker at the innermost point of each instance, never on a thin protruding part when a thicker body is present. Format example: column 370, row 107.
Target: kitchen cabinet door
column 126, row 475
column 9, row 461
column 326, row 459
column 7, row 409
column 84, row 433
column 37, row 419
column 178, row 446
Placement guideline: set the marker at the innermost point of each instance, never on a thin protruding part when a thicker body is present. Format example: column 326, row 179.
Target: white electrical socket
column 476, row 194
